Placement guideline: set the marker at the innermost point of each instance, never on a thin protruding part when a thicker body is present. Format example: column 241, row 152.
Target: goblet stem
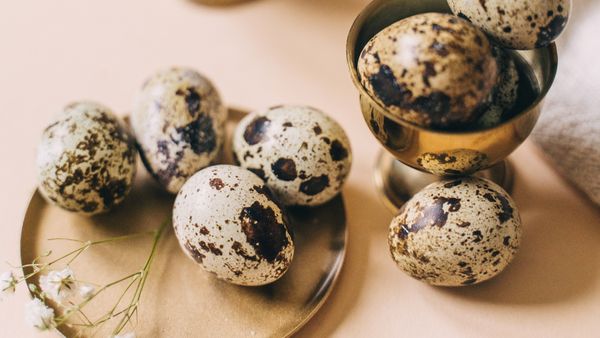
column 396, row 182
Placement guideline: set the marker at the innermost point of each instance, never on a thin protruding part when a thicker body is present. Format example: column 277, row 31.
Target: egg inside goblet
column 417, row 155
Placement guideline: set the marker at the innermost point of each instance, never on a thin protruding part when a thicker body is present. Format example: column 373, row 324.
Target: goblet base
column 396, row 182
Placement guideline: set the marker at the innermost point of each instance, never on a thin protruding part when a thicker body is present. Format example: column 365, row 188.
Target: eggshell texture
column 226, row 220
column 86, row 159
column 302, row 154
column 456, row 232
column 504, row 95
column 179, row 123
column 433, row 70
column 523, row 24
column 453, row 162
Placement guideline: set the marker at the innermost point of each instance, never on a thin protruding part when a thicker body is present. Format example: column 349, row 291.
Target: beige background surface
column 287, row 51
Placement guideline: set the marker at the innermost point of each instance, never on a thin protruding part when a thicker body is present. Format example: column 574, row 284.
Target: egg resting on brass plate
column 179, row 123
column 86, row 160
column 504, row 95
column 522, row 24
column 434, row 70
column 456, row 232
column 227, row 221
column 303, row 155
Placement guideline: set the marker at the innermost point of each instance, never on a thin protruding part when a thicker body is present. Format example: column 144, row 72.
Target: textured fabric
column 569, row 128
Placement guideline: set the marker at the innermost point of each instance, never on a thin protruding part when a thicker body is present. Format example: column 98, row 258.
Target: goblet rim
column 352, row 58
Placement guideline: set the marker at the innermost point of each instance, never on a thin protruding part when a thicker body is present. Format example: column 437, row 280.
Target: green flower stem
column 137, row 278
column 86, row 245
column 144, row 273
column 60, row 320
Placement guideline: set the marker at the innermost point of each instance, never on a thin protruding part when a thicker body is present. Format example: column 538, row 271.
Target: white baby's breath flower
column 86, row 291
column 7, row 283
column 125, row 335
column 58, row 285
column 38, row 315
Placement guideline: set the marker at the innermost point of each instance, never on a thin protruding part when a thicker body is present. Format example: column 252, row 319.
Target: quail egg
column 86, row 160
column 303, row 155
column 434, row 70
column 523, row 24
column 179, row 122
column 227, row 221
column 456, row 232
column 504, row 95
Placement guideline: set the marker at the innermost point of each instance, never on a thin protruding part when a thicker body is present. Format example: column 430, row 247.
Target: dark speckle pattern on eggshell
column 225, row 219
column 86, row 160
column 456, row 232
column 179, row 122
column 505, row 93
column 303, row 155
column 522, row 24
column 434, row 70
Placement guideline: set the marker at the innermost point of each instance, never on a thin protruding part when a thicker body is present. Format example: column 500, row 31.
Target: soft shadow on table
column 367, row 218
column 134, row 216
column 558, row 259
column 221, row 3
column 331, row 7
column 320, row 5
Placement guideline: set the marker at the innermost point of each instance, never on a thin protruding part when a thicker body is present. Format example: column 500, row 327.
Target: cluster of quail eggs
column 458, row 72
column 229, row 219
column 449, row 72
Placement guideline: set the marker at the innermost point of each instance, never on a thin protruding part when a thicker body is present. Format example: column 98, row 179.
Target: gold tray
column 180, row 299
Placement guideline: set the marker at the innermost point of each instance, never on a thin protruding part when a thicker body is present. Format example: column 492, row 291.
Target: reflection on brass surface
column 453, row 162
column 397, row 183
column 179, row 299
column 417, row 147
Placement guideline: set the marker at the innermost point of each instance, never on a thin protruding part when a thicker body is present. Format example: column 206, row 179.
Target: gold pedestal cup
column 416, row 156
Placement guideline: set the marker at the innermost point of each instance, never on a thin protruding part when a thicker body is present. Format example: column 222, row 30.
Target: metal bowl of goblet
column 415, row 156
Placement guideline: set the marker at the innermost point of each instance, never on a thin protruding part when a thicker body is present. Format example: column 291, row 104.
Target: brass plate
column 179, row 299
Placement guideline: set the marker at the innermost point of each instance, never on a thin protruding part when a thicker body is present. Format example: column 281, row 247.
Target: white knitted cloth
column 569, row 128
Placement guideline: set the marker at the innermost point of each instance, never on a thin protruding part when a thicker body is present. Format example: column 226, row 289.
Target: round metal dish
column 179, row 299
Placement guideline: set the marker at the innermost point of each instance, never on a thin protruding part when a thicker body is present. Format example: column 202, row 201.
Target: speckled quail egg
column 86, row 160
column 227, row 221
column 302, row 154
column 504, row 95
column 433, row 70
column 456, row 232
column 523, row 24
column 179, row 122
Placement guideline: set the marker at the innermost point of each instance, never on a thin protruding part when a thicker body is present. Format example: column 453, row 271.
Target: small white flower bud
column 86, row 291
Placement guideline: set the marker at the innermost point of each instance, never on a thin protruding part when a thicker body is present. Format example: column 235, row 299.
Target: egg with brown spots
column 505, row 92
column 456, row 232
column 303, row 155
column 179, row 123
column 86, row 160
column 434, row 70
column 227, row 221
column 523, row 24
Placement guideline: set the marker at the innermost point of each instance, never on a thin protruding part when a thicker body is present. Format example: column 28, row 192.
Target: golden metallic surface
column 180, row 299
column 396, row 183
column 442, row 153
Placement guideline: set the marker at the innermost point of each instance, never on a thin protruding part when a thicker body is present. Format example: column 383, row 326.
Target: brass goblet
column 417, row 156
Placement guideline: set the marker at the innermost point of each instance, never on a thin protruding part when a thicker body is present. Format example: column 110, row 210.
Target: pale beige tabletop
column 267, row 52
